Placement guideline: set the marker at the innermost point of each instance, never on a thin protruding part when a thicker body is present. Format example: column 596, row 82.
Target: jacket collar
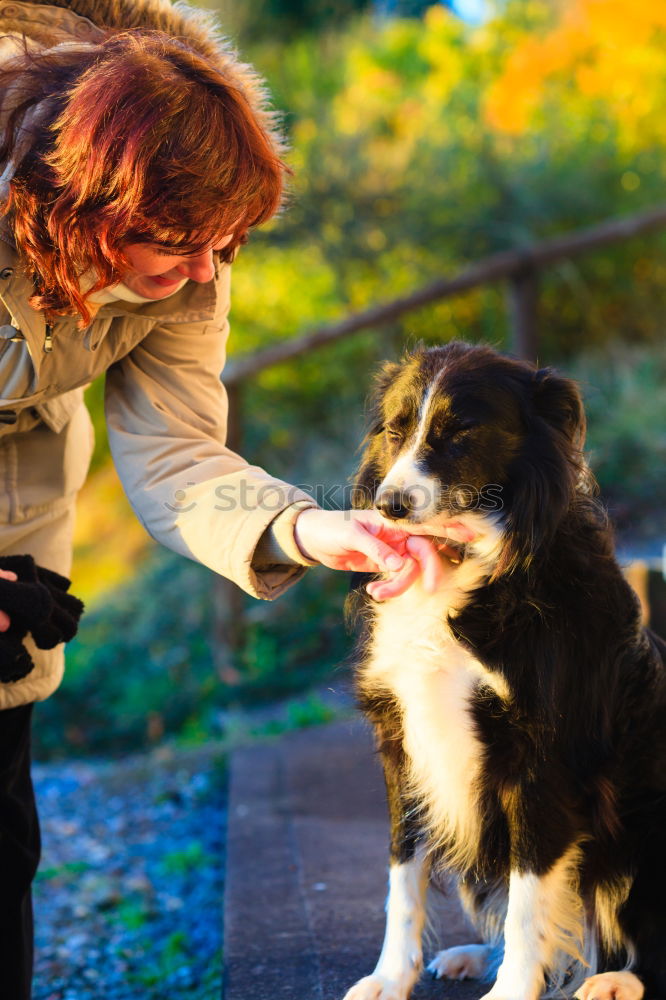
column 192, row 303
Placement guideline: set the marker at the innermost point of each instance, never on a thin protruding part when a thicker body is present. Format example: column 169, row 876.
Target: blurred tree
column 295, row 15
column 409, row 164
column 404, row 8
column 287, row 19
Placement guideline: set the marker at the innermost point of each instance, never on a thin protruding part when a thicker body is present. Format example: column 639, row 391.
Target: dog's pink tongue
column 458, row 531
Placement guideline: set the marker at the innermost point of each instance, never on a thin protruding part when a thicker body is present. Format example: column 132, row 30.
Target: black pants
column 19, row 853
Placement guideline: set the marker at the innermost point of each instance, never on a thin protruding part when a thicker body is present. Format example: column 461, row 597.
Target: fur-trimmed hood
column 50, row 22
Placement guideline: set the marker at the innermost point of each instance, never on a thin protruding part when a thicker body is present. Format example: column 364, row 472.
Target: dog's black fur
column 577, row 755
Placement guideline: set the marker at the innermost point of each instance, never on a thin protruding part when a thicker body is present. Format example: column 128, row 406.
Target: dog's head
column 464, row 437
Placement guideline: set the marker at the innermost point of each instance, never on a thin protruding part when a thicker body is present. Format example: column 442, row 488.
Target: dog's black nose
column 394, row 504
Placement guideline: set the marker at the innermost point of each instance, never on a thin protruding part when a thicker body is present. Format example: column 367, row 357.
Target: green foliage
column 141, row 666
column 256, row 20
column 68, row 871
column 401, row 176
column 95, row 404
column 626, row 408
column 308, row 712
column 187, row 859
column 289, row 17
column 301, row 713
column 132, row 913
column 175, row 953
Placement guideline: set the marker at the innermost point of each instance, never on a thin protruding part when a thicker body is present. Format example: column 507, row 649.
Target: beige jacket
column 166, row 413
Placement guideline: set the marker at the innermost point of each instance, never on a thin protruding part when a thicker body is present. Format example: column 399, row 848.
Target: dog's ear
column 371, row 469
column 550, row 470
column 558, row 401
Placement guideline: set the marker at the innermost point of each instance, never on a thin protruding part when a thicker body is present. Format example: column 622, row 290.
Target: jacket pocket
column 43, row 468
column 56, row 412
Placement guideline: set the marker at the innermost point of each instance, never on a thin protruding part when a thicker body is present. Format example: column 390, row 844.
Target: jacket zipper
column 48, row 338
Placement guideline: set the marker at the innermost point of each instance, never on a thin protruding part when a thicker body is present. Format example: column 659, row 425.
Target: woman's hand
column 363, row 541
column 6, row 574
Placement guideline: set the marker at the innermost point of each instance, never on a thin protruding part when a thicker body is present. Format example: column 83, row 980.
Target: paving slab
column 306, row 871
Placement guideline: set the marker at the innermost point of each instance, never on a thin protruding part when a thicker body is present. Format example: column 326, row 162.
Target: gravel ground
column 128, row 899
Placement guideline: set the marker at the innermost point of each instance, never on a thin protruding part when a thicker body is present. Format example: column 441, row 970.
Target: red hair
column 137, row 139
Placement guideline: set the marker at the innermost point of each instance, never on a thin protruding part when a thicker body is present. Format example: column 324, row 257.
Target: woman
column 134, row 164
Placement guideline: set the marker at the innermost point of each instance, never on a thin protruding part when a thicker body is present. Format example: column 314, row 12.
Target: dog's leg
column 466, row 961
column 611, row 986
column 485, row 905
column 401, row 958
column 640, row 920
column 400, row 961
column 544, row 917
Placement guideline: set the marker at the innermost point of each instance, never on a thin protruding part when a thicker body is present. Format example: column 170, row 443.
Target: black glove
column 37, row 602
column 63, row 622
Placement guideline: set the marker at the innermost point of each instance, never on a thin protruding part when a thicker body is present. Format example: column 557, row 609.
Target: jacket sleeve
column 166, row 413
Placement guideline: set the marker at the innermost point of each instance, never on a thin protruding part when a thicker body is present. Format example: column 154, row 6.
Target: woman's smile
column 147, row 275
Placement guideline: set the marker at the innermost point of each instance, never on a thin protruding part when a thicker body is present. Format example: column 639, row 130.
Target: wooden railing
column 519, row 269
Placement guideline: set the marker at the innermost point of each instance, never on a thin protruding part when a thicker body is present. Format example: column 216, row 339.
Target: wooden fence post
column 228, row 625
column 523, row 296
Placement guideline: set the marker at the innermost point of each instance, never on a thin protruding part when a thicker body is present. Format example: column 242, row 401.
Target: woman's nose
column 198, row 268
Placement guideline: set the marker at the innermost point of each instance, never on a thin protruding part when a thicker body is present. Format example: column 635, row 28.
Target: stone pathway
column 306, row 871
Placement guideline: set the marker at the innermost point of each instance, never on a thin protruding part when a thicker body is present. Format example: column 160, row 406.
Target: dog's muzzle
column 395, row 504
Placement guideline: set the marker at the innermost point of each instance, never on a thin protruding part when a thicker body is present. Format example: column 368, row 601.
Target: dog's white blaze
column 424, row 408
column 416, row 660
column 406, row 473
column 544, row 923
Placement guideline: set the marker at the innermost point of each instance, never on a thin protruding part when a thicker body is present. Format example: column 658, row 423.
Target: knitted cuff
column 277, row 545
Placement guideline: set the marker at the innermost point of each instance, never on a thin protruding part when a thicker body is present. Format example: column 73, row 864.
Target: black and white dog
column 520, row 710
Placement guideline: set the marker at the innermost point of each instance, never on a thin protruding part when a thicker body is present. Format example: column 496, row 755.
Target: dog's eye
column 394, row 435
column 459, row 433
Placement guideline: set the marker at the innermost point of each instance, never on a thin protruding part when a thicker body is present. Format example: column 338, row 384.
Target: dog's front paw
column 611, row 986
column 376, row 987
column 520, row 990
column 469, row 961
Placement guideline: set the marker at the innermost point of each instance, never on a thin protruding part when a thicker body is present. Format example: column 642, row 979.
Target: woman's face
column 156, row 274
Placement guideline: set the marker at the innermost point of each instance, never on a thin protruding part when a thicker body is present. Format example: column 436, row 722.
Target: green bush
column 625, row 402
column 143, row 666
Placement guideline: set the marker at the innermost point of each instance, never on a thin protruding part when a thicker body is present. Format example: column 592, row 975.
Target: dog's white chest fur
column 431, row 677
